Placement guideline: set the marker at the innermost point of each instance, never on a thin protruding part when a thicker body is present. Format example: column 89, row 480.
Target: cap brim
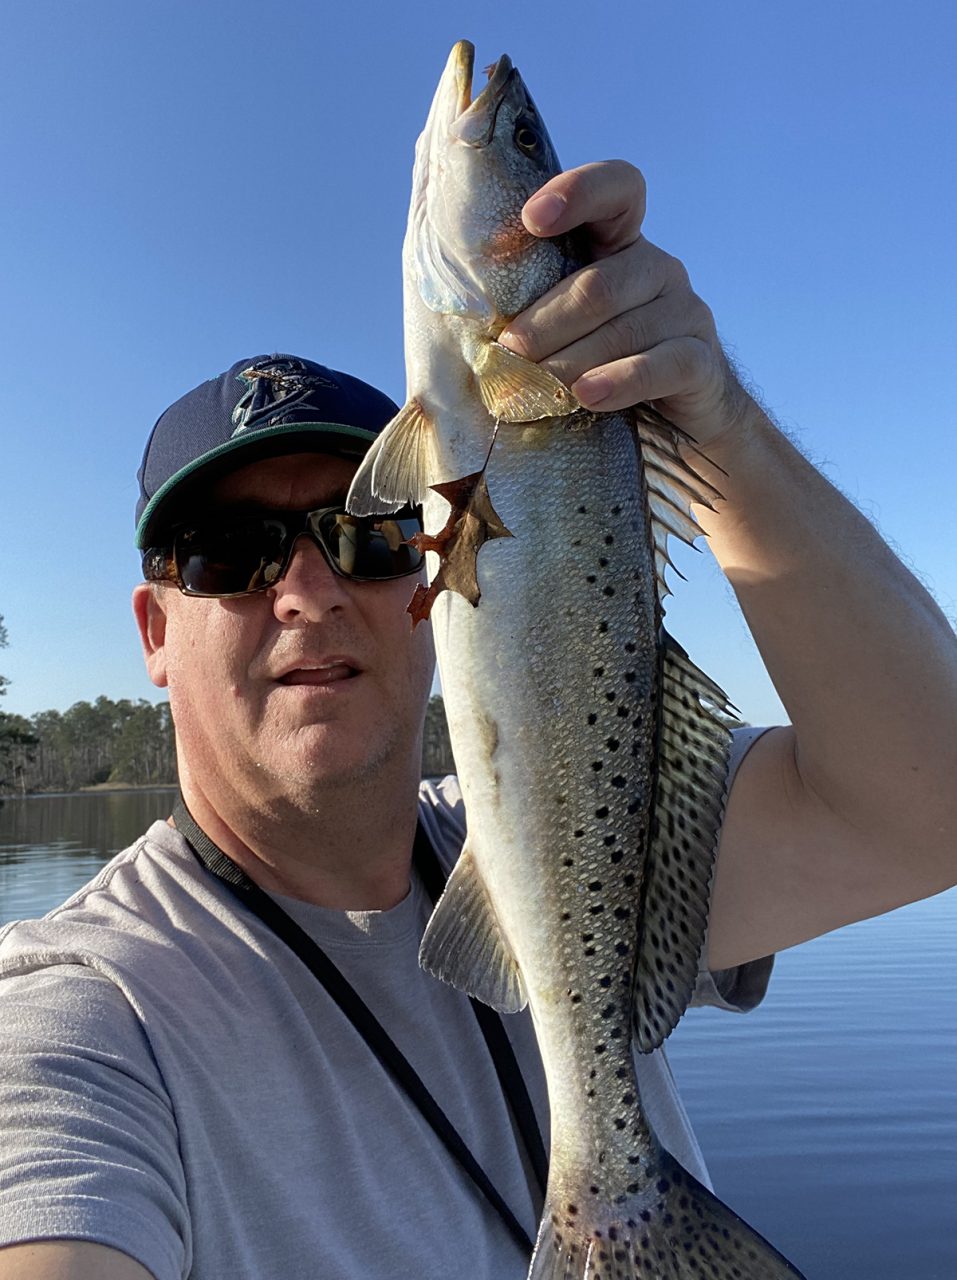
column 275, row 441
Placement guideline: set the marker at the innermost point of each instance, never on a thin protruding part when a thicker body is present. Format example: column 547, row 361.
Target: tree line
column 124, row 742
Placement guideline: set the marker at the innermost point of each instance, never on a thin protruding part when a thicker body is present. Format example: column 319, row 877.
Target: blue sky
column 185, row 184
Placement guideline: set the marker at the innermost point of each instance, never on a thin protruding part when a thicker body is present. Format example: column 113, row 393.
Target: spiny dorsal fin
column 398, row 467
column 673, row 485
column 464, row 945
column 694, row 743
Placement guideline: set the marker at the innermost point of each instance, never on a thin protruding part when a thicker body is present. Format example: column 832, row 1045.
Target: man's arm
column 853, row 809
column 68, row 1260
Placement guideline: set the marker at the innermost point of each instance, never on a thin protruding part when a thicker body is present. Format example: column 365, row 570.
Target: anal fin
column 464, row 945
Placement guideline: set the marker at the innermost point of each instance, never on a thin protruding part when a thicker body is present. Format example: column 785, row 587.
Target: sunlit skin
column 298, row 710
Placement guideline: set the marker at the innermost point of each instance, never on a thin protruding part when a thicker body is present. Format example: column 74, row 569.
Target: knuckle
column 626, row 335
column 593, row 293
column 676, row 273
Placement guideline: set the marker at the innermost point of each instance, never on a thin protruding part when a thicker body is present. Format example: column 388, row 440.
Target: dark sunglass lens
column 370, row 547
column 229, row 559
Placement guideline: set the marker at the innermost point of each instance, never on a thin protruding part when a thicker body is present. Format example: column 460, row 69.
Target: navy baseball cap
column 262, row 407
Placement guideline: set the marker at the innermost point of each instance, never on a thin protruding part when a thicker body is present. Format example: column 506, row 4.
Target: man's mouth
column 326, row 673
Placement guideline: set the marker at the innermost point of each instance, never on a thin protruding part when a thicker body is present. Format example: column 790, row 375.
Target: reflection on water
column 51, row 845
column 828, row 1116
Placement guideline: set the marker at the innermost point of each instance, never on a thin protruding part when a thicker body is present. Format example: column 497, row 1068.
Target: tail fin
column 676, row 1230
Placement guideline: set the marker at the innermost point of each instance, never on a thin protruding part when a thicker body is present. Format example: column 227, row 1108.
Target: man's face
column 317, row 682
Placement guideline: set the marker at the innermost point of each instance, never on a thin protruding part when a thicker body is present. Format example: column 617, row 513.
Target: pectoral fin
column 514, row 389
column 464, row 944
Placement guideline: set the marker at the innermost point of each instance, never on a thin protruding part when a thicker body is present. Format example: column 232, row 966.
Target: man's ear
column 149, row 610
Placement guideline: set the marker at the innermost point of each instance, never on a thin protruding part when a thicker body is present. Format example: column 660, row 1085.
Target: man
column 179, row 1094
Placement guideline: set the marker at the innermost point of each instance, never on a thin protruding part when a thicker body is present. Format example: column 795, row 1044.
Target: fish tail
column 675, row 1229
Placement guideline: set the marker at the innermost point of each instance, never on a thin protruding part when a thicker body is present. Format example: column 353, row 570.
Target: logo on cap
column 276, row 392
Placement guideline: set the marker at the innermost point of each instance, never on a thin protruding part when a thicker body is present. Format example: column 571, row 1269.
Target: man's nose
column 309, row 588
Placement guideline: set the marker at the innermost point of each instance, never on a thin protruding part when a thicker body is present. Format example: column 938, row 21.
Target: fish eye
column 527, row 138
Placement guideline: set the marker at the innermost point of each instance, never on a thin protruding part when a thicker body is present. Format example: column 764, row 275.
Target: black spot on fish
column 612, row 744
column 594, row 886
column 598, row 671
column 609, row 840
column 568, row 862
column 616, row 510
column 597, row 765
column 604, row 980
column 602, row 628
column 610, row 696
column 608, row 539
column 618, row 780
column 617, row 855
column 596, row 909
column 582, row 511
column 602, row 562
column 591, row 577
column 630, row 646
column 602, row 811
column 578, row 834
column 592, row 718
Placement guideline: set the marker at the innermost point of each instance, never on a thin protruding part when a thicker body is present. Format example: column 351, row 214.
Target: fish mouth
column 473, row 122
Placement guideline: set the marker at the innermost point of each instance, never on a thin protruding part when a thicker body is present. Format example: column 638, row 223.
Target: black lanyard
column 372, row 1031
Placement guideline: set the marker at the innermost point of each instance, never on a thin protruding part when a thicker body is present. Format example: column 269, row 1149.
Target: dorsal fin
column 673, row 485
column 694, row 744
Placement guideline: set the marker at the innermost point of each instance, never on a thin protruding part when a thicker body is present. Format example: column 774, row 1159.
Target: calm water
column 828, row 1116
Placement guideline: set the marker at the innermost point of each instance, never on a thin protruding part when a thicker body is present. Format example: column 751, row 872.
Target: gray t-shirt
column 174, row 1083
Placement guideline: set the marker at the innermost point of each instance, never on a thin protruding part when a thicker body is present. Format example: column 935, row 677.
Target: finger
column 591, row 297
column 671, row 315
column 676, row 368
column 608, row 198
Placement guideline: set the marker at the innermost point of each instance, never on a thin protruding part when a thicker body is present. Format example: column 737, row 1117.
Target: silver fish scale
column 558, row 769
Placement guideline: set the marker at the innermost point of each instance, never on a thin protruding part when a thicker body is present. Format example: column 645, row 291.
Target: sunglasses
column 237, row 555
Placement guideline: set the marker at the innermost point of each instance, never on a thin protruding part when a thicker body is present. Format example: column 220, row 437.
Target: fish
column 592, row 753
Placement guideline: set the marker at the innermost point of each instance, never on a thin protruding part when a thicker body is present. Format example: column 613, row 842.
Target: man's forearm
column 862, row 658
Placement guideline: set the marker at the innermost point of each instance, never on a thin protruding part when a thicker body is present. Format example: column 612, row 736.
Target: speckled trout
column 590, row 750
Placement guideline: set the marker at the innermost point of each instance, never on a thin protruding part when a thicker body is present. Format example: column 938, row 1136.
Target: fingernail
column 543, row 211
column 592, row 388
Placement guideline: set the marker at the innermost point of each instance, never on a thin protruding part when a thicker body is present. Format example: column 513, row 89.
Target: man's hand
column 628, row 326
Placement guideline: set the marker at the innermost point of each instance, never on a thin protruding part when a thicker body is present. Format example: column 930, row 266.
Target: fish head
column 477, row 162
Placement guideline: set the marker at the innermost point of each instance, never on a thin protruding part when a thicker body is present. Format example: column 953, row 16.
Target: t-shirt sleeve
column 88, row 1140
